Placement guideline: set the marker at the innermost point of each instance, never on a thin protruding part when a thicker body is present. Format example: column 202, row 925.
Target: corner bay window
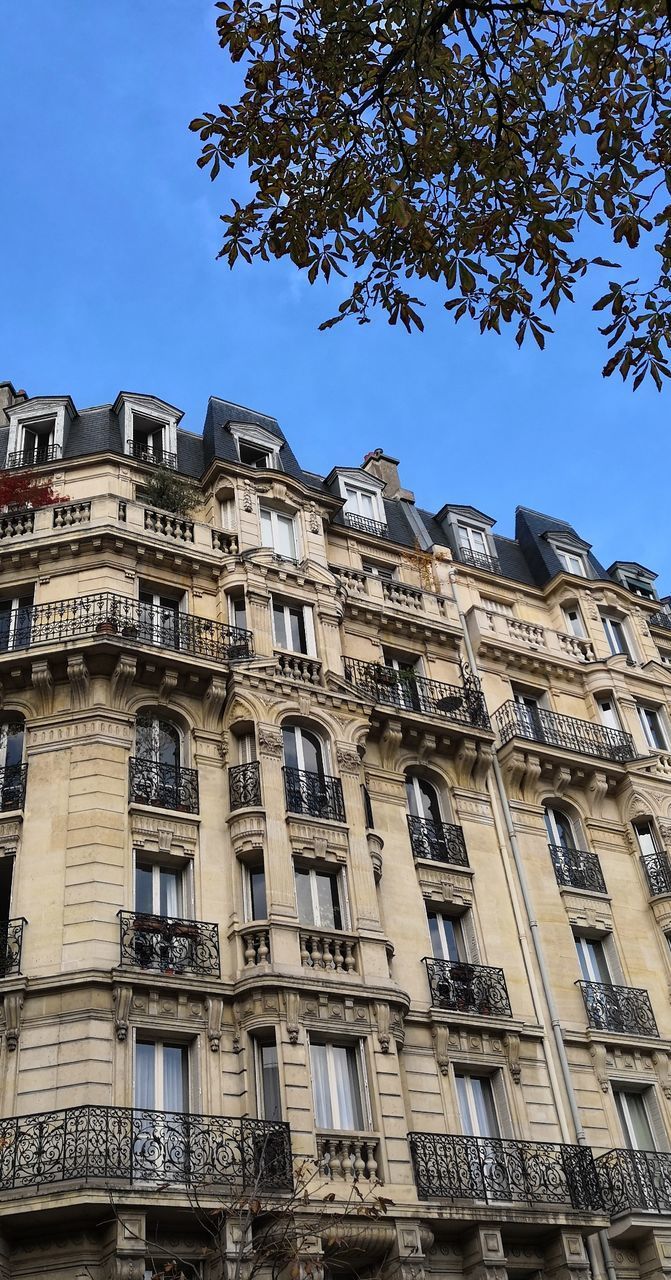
column 338, row 1086
column 292, row 627
column 318, row 895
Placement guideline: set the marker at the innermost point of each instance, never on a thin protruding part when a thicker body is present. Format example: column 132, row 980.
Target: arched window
column 430, row 836
column 307, row 785
column 422, row 799
column 12, row 773
column 157, row 740
column 303, row 750
column 559, row 828
column 157, row 775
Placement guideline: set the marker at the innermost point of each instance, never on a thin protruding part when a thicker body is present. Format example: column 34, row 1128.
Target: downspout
column 417, row 524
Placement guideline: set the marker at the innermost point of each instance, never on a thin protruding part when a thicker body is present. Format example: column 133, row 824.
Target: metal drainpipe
column 416, row 522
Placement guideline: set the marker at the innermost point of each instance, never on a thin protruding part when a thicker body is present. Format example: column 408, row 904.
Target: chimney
column 9, row 397
column 380, row 465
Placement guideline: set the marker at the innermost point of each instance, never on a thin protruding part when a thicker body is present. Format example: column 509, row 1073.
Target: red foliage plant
column 19, row 491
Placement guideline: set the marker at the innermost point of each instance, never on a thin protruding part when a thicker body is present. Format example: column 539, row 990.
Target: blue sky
column 109, row 282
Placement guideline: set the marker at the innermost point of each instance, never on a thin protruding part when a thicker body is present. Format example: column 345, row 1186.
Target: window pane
column 257, row 893
column 348, row 1088
column 285, row 541
column 645, row 837
column 483, row 1102
column 290, row 743
column 144, row 900
column 174, row 1078
column 170, row 898
column 327, row 902
column 634, row 1121
column 320, row 1085
column 280, row 628
column 304, row 898
column 266, row 528
column 270, row 1083
column 297, row 625
column 145, row 1091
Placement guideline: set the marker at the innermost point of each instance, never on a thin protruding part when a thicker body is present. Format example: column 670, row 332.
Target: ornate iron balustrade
column 478, row 560
column 35, row 457
column 11, row 942
column 661, row 619
column 127, row 620
column 244, row 785
column 468, row 988
column 163, row 785
column 463, row 704
column 635, row 1181
column 153, row 457
column 577, row 869
column 440, row 841
column 621, row 1009
column 13, row 786
column 513, row 720
column 458, row 1167
column 168, row 944
column 313, row 793
column 103, row 1144
column 363, row 525
column 657, row 872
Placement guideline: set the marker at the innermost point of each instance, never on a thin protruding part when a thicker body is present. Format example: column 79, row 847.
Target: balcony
column 314, row 794
column 152, row 457
column 624, row 1010
column 635, row 1182
column 35, row 457
column 350, row 1158
column 11, row 942
column 328, row 949
column 244, row 785
column 568, row 733
column 128, row 622
column 456, row 1167
column 661, row 619
column 163, row 786
column 461, row 704
column 167, row 944
column 13, row 786
column 657, row 873
column 478, row 560
column 576, row 869
column 363, row 525
column 461, row 987
column 439, row 841
column 119, row 1144
column 497, row 633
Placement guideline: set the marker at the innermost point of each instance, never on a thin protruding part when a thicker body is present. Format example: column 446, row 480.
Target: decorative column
column 484, row 1258
column 279, row 868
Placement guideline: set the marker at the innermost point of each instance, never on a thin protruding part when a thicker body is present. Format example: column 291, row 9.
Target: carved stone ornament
column 512, row 1044
column 313, row 518
column 270, row 741
column 122, row 678
column 383, row 1026
column 292, row 1010
column 349, row 760
column 43, row 684
column 13, row 1004
column 441, row 1041
column 213, row 700
column 661, row 1062
column 247, row 497
column 122, row 996
column 167, row 686
column 215, row 1014
column 80, row 681
column 599, row 1057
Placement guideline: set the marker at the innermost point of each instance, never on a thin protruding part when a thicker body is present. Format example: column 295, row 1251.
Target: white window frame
column 414, row 781
column 459, row 933
column 159, row 1045
column 611, row 623
column 575, row 626
column 259, row 1046
column 274, row 516
column 185, row 907
column 259, row 439
column 467, row 536
column 642, row 708
column 624, row 1116
column 609, row 713
column 300, row 757
column 17, row 619
column 27, row 416
column 338, row 874
column 247, row 873
column 376, row 569
column 156, row 411
column 468, row 1077
column 355, row 494
column 588, row 969
column 286, row 606
column 359, row 1049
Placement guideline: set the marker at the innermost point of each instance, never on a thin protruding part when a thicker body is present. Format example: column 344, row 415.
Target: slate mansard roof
column 529, row 558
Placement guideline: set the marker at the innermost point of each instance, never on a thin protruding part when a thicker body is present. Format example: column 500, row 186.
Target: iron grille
column 514, row 720
column 478, row 560
column 657, row 872
column 576, row 869
column 464, row 704
column 168, row 944
column 635, row 1180
column 661, row 619
column 244, row 785
column 125, row 620
column 624, row 1009
column 134, row 1146
column 11, row 942
column 163, row 785
column 363, row 525
column 313, row 793
column 13, row 786
column 34, row 457
column 503, row 1169
column 440, row 841
column 153, row 457
column 468, row 988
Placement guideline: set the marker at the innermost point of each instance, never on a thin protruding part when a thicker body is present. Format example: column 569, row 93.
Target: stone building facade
column 333, row 833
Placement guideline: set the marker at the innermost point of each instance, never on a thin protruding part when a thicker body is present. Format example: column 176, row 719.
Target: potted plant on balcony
column 109, row 622
column 387, row 676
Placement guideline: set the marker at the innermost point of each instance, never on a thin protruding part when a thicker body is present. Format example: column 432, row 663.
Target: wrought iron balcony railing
column 315, row 794
column 363, row 525
column 468, row 988
column 244, row 785
column 163, row 785
column 153, row 457
column 554, row 729
column 657, row 873
column 13, row 786
column 168, row 944
column 463, row 704
column 576, row 869
column 440, row 841
column 457, row 1167
column 621, row 1009
column 11, row 942
column 661, row 619
column 478, row 560
column 128, row 621
column 635, row 1181
column 132, row 1146
column 35, row 457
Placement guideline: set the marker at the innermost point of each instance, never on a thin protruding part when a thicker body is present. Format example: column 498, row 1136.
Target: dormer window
column 256, row 447
column 253, row 456
column 475, row 547
column 37, row 431
column 147, row 443
column 364, row 510
column 149, row 429
column 572, row 561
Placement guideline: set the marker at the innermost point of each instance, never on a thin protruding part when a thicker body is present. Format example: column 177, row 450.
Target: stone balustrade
column 485, row 625
column 255, row 945
column 350, row 1158
column 299, row 667
column 328, row 949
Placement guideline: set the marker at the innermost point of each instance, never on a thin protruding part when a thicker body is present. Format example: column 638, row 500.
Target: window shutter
column 501, row 1103
column 470, row 938
column 656, row 1119
column 613, row 961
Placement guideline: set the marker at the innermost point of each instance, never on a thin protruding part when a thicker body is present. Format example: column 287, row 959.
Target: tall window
column 161, row 1076
column 157, row 740
column 320, row 898
column 279, row 532
column 473, row 540
column 653, row 731
column 634, row 1120
column 422, row 799
column 338, row 1086
column 147, row 439
column 608, row 713
column 268, row 1096
column 645, row 834
column 476, row 1106
column 38, row 440
column 593, row 960
column 574, row 623
column 615, row 635
column 302, row 750
column 237, row 611
column 559, row 829
column 254, row 455
column 158, row 890
column 292, row 627
column 160, row 617
column 12, row 734
column 361, row 502
column 528, row 715
column 572, row 562
column 447, row 936
column 15, row 620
